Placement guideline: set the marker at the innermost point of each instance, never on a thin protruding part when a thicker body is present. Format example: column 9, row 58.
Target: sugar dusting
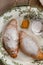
column 11, row 37
column 30, row 45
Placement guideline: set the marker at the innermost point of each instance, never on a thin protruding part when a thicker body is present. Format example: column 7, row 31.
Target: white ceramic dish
column 18, row 13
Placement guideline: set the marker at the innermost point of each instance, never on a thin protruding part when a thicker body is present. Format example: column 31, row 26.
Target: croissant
column 10, row 38
column 29, row 46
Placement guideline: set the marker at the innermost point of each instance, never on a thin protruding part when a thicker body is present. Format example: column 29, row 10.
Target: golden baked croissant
column 29, row 46
column 10, row 38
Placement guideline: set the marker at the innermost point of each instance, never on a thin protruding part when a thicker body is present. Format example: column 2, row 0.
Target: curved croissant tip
column 13, row 55
column 22, row 32
column 13, row 21
column 40, row 56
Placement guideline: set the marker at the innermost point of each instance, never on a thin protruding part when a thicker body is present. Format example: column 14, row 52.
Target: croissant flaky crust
column 29, row 46
column 10, row 38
